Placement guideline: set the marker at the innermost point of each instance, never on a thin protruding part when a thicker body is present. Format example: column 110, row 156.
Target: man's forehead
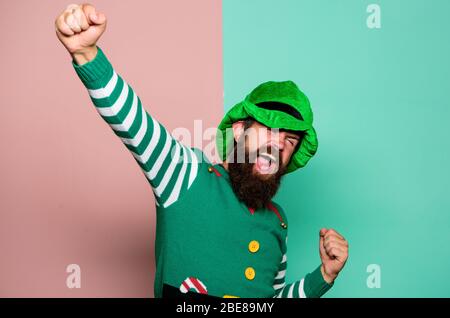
column 292, row 132
column 299, row 134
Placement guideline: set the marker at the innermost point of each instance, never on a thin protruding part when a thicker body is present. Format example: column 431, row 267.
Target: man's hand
column 78, row 28
column 333, row 253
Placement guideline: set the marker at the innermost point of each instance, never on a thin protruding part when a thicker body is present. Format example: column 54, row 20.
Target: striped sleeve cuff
column 315, row 286
column 96, row 72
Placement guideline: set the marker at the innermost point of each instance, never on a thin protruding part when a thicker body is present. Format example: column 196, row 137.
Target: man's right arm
column 169, row 166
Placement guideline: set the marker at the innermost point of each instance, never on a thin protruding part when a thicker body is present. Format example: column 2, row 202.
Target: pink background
column 70, row 192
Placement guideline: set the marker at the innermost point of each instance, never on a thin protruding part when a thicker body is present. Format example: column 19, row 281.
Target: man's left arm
column 333, row 249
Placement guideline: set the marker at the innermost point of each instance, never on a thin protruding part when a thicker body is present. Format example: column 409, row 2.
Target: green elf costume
column 207, row 241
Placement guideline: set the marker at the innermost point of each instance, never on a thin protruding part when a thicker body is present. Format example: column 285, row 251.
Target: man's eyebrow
column 291, row 134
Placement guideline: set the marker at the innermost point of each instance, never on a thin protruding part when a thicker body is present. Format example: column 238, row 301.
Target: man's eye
column 291, row 140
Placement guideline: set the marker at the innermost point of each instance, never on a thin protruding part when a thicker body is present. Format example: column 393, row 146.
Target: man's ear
column 238, row 129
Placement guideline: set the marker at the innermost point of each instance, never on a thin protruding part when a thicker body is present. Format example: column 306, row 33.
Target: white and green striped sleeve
column 169, row 166
column 311, row 286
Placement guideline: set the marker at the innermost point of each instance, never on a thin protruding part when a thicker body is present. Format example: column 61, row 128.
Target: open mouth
column 266, row 163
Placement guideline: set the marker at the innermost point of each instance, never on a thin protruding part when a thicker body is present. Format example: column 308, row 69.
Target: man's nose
column 277, row 139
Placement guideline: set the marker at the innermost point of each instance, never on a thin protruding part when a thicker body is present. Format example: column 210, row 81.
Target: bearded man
column 218, row 232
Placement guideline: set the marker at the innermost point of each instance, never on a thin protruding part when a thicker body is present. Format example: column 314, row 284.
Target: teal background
column 381, row 105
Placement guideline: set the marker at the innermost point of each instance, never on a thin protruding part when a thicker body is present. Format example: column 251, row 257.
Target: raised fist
column 79, row 27
column 333, row 249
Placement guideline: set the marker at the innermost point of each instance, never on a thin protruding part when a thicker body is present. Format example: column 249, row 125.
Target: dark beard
column 252, row 189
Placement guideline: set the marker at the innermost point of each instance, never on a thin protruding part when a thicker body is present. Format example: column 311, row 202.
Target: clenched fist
column 79, row 27
column 333, row 253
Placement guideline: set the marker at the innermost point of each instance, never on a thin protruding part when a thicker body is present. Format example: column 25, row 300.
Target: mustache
column 272, row 150
column 241, row 153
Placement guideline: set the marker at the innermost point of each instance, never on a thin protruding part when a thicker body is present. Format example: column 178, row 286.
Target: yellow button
column 253, row 246
column 210, row 169
column 250, row 273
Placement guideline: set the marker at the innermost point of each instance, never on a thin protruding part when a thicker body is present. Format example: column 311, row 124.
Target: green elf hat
column 276, row 105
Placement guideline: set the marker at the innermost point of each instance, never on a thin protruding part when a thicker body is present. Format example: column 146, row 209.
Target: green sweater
column 207, row 241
